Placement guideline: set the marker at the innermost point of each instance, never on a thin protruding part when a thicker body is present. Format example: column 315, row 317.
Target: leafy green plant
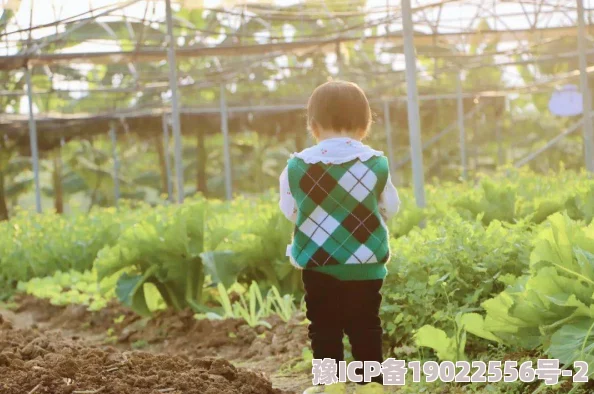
column 452, row 347
column 494, row 201
column 580, row 206
column 445, row 347
column 69, row 288
column 35, row 245
column 225, row 312
column 466, row 255
column 110, row 336
column 225, row 301
column 251, row 306
column 262, row 248
column 408, row 218
column 164, row 250
column 164, row 255
column 283, row 306
column 551, row 307
column 140, row 344
column 8, row 305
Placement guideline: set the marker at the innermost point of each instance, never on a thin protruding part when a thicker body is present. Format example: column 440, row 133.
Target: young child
column 339, row 195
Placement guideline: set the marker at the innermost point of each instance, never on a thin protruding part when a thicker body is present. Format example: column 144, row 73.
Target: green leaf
column 222, row 266
column 475, row 324
column 130, row 291
column 154, row 300
column 555, row 247
column 225, row 301
column 438, row 340
column 556, row 294
column 574, row 342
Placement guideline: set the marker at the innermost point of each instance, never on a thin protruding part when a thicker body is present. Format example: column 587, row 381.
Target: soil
column 34, row 361
column 70, row 350
column 46, row 349
column 171, row 332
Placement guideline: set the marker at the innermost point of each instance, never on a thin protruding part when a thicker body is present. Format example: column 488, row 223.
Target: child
column 339, row 195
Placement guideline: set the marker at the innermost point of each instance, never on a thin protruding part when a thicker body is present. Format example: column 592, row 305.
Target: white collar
column 337, row 151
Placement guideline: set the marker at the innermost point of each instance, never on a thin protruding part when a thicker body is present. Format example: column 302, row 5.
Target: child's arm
column 288, row 207
column 389, row 202
column 287, row 203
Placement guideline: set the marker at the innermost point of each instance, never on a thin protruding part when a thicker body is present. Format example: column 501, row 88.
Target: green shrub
column 448, row 266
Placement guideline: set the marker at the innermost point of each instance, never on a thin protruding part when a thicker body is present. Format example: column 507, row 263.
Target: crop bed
column 501, row 270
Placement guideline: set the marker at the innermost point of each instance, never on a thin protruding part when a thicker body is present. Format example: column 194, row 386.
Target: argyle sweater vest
column 339, row 230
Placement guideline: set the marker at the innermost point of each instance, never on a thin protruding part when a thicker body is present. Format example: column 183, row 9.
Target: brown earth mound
column 33, row 361
column 177, row 332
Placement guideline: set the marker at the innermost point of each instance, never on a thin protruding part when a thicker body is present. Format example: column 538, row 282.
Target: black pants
column 335, row 308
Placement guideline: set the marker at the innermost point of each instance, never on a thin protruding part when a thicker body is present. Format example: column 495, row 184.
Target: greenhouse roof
column 114, row 52
column 327, row 45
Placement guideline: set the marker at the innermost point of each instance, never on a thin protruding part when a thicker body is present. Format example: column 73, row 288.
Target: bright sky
column 454, row 16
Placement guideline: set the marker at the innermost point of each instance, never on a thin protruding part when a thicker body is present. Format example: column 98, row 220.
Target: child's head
column 338, row 108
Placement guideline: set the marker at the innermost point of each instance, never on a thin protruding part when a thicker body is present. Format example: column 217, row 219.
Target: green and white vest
column 339, row 230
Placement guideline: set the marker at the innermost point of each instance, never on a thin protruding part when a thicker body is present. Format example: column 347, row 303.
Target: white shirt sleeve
column 389, row 202
column 287, row 202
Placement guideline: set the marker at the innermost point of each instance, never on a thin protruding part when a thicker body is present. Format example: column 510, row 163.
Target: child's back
column 339, row 226
column 339, row 195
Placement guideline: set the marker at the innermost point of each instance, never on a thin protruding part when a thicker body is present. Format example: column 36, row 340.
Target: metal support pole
column 509, row 152
column 116, row 162
column 388, row 127
column 461, row 130
column 498, row 135
column 586, row 97
column 414, row 119
column 33, row 140
column 226, row 150
column 167, row 157
column 179, row 169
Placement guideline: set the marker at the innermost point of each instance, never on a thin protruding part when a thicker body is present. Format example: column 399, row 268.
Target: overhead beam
column 326, row 45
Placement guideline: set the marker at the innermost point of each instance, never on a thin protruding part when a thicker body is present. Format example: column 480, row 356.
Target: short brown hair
column 339, row 106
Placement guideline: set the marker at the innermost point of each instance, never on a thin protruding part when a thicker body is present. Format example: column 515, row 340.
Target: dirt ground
column 48, row 349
